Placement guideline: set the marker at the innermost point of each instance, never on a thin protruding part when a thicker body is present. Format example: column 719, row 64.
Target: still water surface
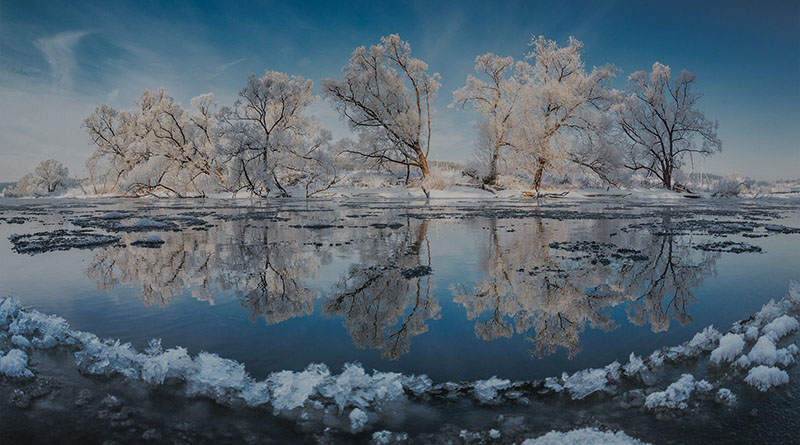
column 455, row 290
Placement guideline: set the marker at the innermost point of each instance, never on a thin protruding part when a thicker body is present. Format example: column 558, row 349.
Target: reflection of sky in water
column 360, row 301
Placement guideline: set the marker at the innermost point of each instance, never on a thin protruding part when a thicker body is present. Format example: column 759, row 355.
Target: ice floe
column 765, row 377
column 14, row 364
column 677, row 394
column 764, row 352
column 781, row 327
column 486, row 390
column 62, row 239
column 730, row 345
column 584, row 436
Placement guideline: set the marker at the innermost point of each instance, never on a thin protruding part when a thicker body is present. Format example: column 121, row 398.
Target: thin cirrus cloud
column 222, row 68
column 59, row 52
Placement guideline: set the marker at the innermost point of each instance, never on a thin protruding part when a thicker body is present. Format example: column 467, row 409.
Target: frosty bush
column 48, row 177
column 440, row 179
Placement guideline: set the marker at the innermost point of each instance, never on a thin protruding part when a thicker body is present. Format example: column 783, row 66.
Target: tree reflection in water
column 539, row 280
column 386, row 301
column 538, row 285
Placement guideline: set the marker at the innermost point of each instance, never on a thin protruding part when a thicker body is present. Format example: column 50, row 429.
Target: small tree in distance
column 48, row 177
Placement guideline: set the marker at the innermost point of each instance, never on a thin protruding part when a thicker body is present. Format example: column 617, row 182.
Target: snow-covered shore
column 465, row 193
column 355, row 399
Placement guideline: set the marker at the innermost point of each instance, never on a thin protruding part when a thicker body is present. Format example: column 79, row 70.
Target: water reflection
column 543, row 279
column 538, row 284
column 387, row 300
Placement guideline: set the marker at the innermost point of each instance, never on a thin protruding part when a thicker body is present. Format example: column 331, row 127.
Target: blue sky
column 58, row 60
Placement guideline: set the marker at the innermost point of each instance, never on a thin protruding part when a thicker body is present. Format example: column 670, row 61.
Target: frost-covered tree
column 561, row 114
column 159, row 147
column 494, row 98
column 52, row 175
column 48, row 177
column 112, row 158
column 661, row 123
column 386, row 96
column 267, row 135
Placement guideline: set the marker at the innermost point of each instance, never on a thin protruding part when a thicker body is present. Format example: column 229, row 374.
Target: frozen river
column 456, row 290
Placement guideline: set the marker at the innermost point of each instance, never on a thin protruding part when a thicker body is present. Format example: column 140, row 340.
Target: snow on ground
column 389, row 190
column 355, row 398
column 584, row 436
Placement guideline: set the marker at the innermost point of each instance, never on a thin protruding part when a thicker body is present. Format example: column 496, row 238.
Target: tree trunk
column 668, row 177
column 491, row 178
column 537, row 179
column 423, row 164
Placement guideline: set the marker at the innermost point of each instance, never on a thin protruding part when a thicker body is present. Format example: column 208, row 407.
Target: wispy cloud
column 59, row 51
column 222, row 68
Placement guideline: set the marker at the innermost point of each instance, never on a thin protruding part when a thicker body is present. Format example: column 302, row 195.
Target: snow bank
column 354, row 397
column 765, row 377
column 207, row 374
column 587, row 436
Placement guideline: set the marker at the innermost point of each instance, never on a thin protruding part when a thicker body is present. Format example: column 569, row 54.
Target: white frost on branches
column 386, row 97
column 661, row 124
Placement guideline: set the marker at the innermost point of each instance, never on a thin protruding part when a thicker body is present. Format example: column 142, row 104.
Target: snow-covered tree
column 52, row 174
column 386, row 96
column 49, row 176
column 494, row 98
column 561, row 114
column 159, row 147
column 267, row 135
column 113, row 158
column 662, row 125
